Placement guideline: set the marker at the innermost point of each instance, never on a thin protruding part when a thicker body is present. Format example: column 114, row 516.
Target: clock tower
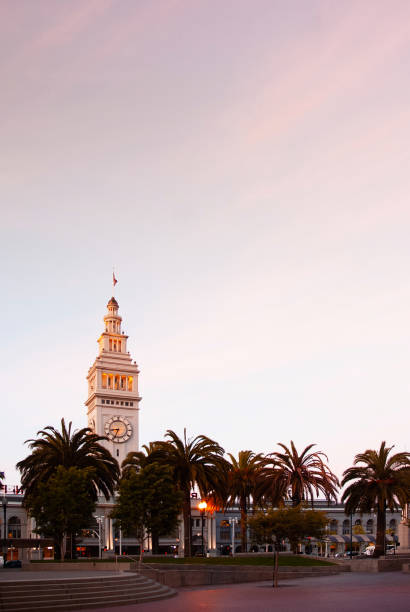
column 113, row 398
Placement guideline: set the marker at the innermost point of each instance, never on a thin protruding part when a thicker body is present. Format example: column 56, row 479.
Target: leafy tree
column 381, row 481
column 63, row 504
column 291, row 524
column 148, row 501
column 242, row 477
column 299, row 477
column 196, row 461
column 80, row 449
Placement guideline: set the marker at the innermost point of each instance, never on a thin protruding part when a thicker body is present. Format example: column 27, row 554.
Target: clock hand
column 116, row 432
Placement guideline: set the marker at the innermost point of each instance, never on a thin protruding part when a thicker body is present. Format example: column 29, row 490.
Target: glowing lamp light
column 202, row 507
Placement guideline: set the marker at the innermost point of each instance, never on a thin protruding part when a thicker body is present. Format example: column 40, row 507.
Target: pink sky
column 245, row 166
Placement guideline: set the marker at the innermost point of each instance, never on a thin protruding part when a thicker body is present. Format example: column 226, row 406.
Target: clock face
column 118, row 429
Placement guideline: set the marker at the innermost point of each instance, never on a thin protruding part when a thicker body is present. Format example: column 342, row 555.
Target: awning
column 345, row 539
column 26, row 542
column 336, row 538
column 364, row 538
column 361, row 538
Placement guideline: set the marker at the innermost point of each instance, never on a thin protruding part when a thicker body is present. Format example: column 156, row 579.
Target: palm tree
column 80, row 448
column 382, row 482
column 193, row 462
column 299, row 476
column 136, row 460
column 243, row 475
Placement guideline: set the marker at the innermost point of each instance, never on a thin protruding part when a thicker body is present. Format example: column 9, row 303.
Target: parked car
column 15, row 563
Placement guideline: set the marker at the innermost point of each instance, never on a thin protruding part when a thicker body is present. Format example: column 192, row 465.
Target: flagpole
column 114, row 281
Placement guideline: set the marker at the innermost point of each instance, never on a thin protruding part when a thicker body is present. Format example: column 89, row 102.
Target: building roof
column 113, row 302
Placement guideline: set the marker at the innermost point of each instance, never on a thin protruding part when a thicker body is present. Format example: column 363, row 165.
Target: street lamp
column 233, row 522
column 326, row 539
column 4, row 502
column 202, row 507
column 99, row 520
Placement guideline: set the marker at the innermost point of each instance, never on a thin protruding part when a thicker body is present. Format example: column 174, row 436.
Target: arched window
column 14, row 530
column 346, row 526
column 333, row 527
column 358, row 522
column 369, row 526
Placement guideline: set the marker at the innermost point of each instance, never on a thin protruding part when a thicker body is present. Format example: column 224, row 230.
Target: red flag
column 114, row 280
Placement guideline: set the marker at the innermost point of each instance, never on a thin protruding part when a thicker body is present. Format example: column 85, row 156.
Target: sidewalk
column 340, row 593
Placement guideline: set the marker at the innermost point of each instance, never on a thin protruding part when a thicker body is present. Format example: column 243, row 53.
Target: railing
column 136, row 559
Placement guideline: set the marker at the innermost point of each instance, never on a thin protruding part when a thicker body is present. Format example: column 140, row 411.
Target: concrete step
column 56, row 582
column 79, row 594
column 73, row 588
column 67, row 595
column 88, row 602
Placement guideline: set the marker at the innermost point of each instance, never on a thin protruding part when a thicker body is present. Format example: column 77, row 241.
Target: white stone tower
column 113, row 399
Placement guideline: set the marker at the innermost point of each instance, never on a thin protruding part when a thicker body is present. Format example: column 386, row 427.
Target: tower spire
column 113, row 398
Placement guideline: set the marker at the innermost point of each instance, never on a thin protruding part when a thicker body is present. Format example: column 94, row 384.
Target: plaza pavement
column 347, row 592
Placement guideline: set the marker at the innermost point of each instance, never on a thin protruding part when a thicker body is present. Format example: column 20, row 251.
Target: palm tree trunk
column 296, row 500
column 380, row 529
column 275, row 564
column 63, row 543
column 141, row 550
column 57, row 548
column 244, row 514
column 155, row 542
column 186, row 510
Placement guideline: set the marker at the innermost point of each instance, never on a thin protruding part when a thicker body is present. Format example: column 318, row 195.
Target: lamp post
column 4, row 503
column 99, row 520
column 326, row 539
column 233, row 522
column 202, row 507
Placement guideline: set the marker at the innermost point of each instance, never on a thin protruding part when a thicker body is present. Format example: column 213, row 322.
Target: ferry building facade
column 113, row 411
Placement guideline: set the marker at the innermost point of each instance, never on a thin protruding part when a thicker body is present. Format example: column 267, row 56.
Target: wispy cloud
column 56, row 29
column 320, row 70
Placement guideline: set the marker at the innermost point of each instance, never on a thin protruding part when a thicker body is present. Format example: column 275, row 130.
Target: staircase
column 63, row 594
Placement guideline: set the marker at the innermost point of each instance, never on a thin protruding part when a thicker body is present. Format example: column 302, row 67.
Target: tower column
column 113, row 407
